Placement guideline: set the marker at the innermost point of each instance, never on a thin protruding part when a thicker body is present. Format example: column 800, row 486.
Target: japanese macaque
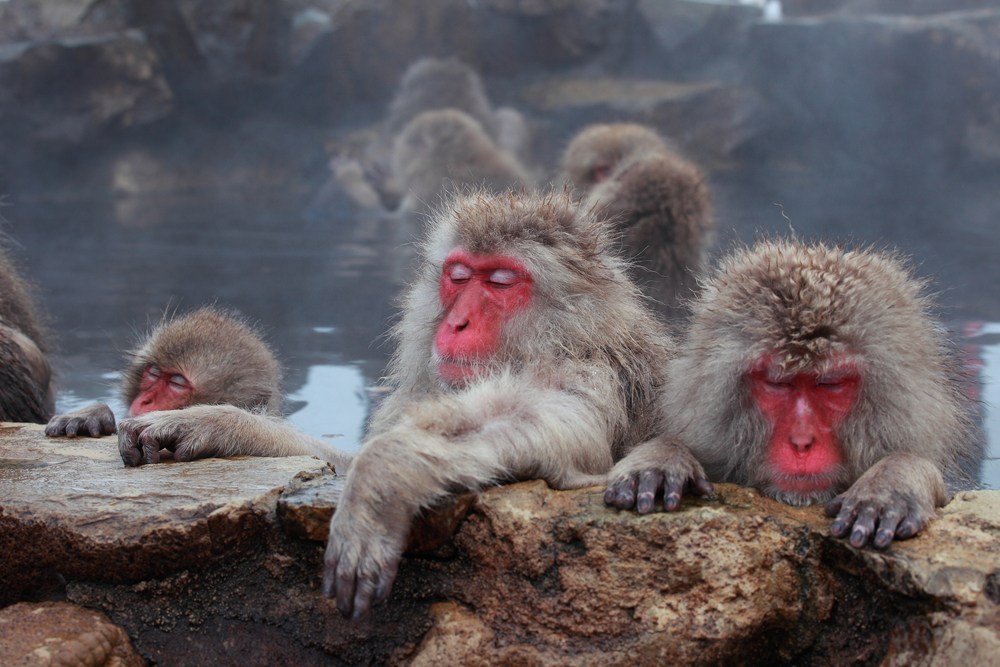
column 473, row 147
column 657, row 200
column 524, row 352
column 26, row 391
column 210, row 357
column 817, row 375
column 447, row 150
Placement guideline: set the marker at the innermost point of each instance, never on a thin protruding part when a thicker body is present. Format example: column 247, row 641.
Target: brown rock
column 59, row 634
column 69, row 508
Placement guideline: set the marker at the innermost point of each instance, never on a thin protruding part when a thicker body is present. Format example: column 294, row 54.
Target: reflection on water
column 984, row 350
column 336, row 405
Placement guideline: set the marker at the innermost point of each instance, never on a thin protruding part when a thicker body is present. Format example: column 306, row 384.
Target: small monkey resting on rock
column 816, row 375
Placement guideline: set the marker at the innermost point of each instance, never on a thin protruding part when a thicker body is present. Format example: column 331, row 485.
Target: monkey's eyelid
column 504, row 277
column 154, row 371
column 458, row 272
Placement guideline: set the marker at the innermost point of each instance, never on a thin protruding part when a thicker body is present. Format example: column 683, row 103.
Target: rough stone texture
column 193, row 561
column 59, row 634
column 69, row 509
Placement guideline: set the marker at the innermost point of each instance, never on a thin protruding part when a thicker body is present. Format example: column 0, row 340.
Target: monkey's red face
column 804, row 456
column 161, row 390
column 479, row 293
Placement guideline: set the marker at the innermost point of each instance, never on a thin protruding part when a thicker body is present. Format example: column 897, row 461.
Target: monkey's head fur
column 584, row 315
column 219, row 352
column 605, row 146
column 433, row 83
column 810, row 306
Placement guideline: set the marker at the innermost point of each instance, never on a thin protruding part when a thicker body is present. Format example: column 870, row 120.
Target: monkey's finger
column 910, row 527
column 150, row 446
column 386, row 579
column 74, row 426
column 650, row 481
column 842, row 524
column 345, row 588
column 128, row 448
column 864, row 526
column 673, row 491
column 702, row 487
column 625, row 493
column 56, row 427
column 887, row 528
column 329, row 574
column 364, row 593
column 832, row 507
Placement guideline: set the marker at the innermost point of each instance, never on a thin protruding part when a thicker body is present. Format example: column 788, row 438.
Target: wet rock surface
column 202, row 564
column 59, row 634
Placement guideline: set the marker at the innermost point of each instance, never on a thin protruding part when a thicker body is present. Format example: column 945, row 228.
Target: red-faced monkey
column 210, row 357
column 26, row 391
column 657, row 200
column 524, row 352
column 815, row 374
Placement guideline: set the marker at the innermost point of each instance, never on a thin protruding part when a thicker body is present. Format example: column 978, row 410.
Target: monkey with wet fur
column 26, row 391
column 657, row 200
column 209, row 357
column 817, row 375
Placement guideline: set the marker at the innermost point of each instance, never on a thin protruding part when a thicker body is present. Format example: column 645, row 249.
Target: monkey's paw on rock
column 219, row 562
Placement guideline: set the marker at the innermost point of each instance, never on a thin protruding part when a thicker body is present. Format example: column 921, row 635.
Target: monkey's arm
column 205, row 431
column 484, row 435
column 899, row 493
column 658, row 465
column 94, row 420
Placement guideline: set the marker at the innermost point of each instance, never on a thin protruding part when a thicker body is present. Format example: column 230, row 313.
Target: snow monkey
column 210, row 357
column 473, row 148
column 659, row 202
column 26, row 391
column 817, row 375
column 446, row 150
column 524, row 352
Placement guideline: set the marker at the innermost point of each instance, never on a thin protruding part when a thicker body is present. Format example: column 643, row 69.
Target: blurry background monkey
column 658, row 201
column 817, row 375
column 26, row 391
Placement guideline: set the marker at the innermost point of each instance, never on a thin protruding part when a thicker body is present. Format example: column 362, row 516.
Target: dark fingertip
column 645, row 505
column 838, row 528
column 704, row 487
column 358, row 614
column 381, row 593
column 609, row 496
column 906, row 531
column 832, row 507
column 671, row 501
column 882, row 539
column 858, row 538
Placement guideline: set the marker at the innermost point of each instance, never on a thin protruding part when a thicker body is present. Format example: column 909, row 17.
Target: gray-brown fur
column 571, row 388
column 658, row 201
column 446, row 151
column 220, row 352
column 809, row 304
column 434, row 85
column 222, row 356
column 26, row 391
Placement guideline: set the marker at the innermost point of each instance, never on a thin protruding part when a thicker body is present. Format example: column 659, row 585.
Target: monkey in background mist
column 26, row 391
column 657, row 200
column 210, row 357
column 817, row 375
column 432, row 84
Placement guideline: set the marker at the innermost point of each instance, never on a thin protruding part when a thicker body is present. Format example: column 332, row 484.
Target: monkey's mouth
column 457, row 372
column 804, row 489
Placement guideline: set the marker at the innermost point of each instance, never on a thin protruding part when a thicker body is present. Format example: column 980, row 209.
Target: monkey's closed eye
column 178, row 381
column 153, row 371
column 459, row 273
column 503, row 278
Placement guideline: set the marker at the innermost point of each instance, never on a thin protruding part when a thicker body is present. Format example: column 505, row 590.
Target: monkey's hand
column 898, row 494
column 94, row 420
column 652, row 467
column 368, row 535
column 200, row 431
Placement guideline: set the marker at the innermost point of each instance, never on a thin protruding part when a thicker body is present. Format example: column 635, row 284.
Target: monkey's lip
column 803, row 483
column 457, row 372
